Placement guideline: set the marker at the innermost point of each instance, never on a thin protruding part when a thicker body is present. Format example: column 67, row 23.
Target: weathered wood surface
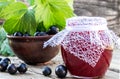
column 110, row 9
column 35, row 72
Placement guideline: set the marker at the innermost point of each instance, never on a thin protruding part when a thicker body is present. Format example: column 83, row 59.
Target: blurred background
column 110, row 9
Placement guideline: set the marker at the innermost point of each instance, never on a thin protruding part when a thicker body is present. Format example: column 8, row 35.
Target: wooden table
column 35, row 72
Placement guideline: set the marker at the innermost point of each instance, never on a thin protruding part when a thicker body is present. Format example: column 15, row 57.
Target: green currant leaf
column 31, row 2
column 53, row 12
column 70, row 3
column 4, row 46
column 13, row 9
column 21, row 22
column 4, row 3
column 5, row 49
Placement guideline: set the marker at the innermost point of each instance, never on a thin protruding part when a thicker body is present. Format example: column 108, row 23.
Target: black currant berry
column 6, row 60
column 0, row 59
column 53, row 30
column 17, row 34
column 43, row 33
column 40, row 34
column 3, row 66
column 22, row 68
column 26, row 34
column 37, row 34
column 12, row 69
column 46, row 71
column 61, row 71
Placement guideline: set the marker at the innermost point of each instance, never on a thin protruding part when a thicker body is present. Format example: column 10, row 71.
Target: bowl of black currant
column 30, row 48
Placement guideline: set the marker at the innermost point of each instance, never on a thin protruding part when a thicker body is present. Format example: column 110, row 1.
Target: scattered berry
column 12, row 69
column 46, row 71
column 3, row 66
column 22, row 68
column 0, row 59
column 61, row 71
column 6, row 60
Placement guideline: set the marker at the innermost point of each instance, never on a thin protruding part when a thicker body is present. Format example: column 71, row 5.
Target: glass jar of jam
column 86, row 46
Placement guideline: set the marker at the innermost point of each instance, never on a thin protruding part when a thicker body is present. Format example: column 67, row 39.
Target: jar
column 86, row 46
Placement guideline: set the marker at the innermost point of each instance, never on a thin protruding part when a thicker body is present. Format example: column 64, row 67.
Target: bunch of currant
column 60, row 71
column 52, row 30
column 6, row 65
